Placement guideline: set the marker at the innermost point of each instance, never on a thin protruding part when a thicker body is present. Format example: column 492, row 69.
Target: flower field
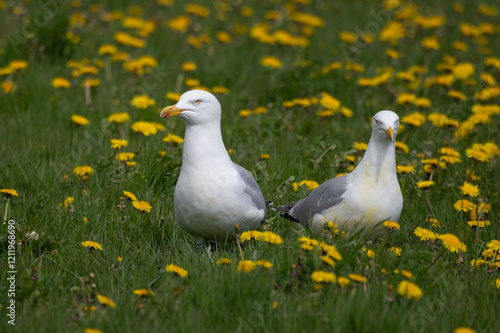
column 89, row 241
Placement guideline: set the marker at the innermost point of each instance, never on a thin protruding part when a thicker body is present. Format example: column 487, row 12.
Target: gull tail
column 285, row 212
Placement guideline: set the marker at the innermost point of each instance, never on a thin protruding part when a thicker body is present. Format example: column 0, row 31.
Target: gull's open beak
column 171, row 110
column 389, row 132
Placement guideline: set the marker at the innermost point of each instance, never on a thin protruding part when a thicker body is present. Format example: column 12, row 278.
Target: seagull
column 212, row 194
column 364, row 198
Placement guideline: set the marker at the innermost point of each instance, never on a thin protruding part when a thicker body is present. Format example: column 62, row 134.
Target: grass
column 57, row 277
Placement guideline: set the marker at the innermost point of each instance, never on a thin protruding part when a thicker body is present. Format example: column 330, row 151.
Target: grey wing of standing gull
column 252, row 188
column 325, row 196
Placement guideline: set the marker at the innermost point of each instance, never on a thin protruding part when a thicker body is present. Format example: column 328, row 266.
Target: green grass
column 40, row 147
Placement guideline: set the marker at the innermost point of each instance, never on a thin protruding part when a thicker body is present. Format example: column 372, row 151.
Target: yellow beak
column 390, row 133
column 169, row 111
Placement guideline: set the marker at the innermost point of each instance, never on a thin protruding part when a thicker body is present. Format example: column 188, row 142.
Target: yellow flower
column 393, row 54
column 348, row 36
column 145, row 128
column 323, row 277
column 246, row 266
column 405, row 168
column 107, row 49
column 405, row 98
column 425, row 184
column 264, row 263
column 104, row 300
column 402, row 146
column 260, row 110
column 9, row 192
column 92, row 330
column 469, row 189
column 311, row 184
column 220, row 90
column 190, row 82
column 343, row 281
column 452, row 243
column 307, row 19
column 179, row 23
column 177, row 270
column 130, row 195
column 464, row 205
column 422, row 102
column 431, row 43
column 60, row 82
column 464, row 330
column 223, row 37
column 480, row 224
column 245, row 113
column 67, row 202
column 197, row 10
column 407, row 274
column 270, row 61
column 142, row 102
column 173, row 138
column 8, row 86
column 497, row 283
column 425, row 234
column 265, row 156
column 92, row 245
column 17, row 65
column 329, row 102
column 415, row 119
column 463, row 70
column 487, row 10
column 361, row 146
column 397, row 250
column 83, row 171
column 129, row 40
column 143, row 292
column 392, row 32
column 142, row 206
column 357, row 278
column 124, row 157
column 477, row 154
column 391, row 225
column 119, row 259
column 223, row 261
column 119, row 118
column 435, row 222
column 79, row 120
column 457, row 95
column 118, row 144
column 410, row 290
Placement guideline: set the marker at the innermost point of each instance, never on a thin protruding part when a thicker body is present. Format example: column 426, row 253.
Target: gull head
column 385, row 125
column 195, row 107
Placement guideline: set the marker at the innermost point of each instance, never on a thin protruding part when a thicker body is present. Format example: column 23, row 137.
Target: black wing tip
column 285, row 212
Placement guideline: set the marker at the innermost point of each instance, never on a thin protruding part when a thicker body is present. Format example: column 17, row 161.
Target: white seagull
column 212, row 194
column 364, row 198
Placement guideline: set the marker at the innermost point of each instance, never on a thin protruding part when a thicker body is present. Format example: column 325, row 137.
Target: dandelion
column 464, row 205
column 145, row 128
column 425, row 234
column 464, row 329
column 343, row 281
column 92, row 330
column 480, row 224
column 270, row 61
column 223, row 261
column 328, row 260
column 360, row 146
column 410, row 290
column 391, row 225
column 396, row 250
column 357, row 277
column 323, row 277
column 452, row 243
column 143, row 292
column 118, row 144
column 264, row 263
column 264, row 156
column 469, row 189
column 173, row 138
column 311, row 184
column 107, row 49
column 119, row 118
column 142, row 206
column 119, row 259
column 407, row 274
column 415, row 119
column 426, row 184
column 142, row 102
column 79, row 120
column 402, row 146
column 179, row 271
column 104, row 300
column 60, row 82
column 92, row 245
column 246, row 266
column 83, row 171
column 477, row 154
column 329, row 102
column 67, row 202
column 9, row 193
column 435, row 222
column 245, row 113
column 494, row 245
column 405, row 168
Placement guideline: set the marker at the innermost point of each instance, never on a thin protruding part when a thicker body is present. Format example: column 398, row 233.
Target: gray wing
column 252, row 188
column 325, row 196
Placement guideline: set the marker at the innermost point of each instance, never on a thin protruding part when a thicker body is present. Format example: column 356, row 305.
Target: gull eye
column 376, row 120
column 198, row 101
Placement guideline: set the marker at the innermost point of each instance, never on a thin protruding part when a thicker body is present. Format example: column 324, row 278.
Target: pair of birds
column 213, row 194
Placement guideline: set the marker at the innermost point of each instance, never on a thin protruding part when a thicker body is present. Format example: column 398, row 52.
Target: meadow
column 88, row 169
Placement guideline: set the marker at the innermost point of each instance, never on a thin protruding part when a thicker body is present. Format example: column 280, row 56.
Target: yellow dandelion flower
column 323, row 277
column 405, row 168
column 177, row 270
column 119, row 259
column 246, row 266
column 260, row 110
column 311, row 184
column 104, row 300
column 92, row 245
column 391, row 225
column 329, row 102
column 92, row 330
column 60, row 82
column 245, row 113
column 142, row 206
column 173, row 96
column 464, row 329
column 9, row 193
column 497, row 283
column 405, row 98
column 124, row 157
column 189, row 66
column 143, row 292
column 264, row 263
column 197, row 10
column 270, row 61
column 145, row 128
column 343, row 281
column 396, row 250
column 435, row 222
column 464, row 206
column 369, row 253
column 79, row 120
column 494, row 245
column 264, row 156
column 223, row 261
column 409, row 289
column 271, row 237
column 67, row 202
column 452, row 243
column 479, row 224
column 425, row 234
column 220, row 90
column 173, row 138
column 142, row 102
column 426, row 184
column 107, row 49
column 179, row 23
column 357, row 277
column 83, row 171
column 407, row 274
column 469, row 189
column 457, row 95
column 119, row 118
column 360, row 146
column 118, row 144
column 416, row 119
column 17, row 65
column 130, row 195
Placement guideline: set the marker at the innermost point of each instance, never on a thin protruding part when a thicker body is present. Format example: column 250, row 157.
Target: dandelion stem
column 6, row 209
column 88, row 97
